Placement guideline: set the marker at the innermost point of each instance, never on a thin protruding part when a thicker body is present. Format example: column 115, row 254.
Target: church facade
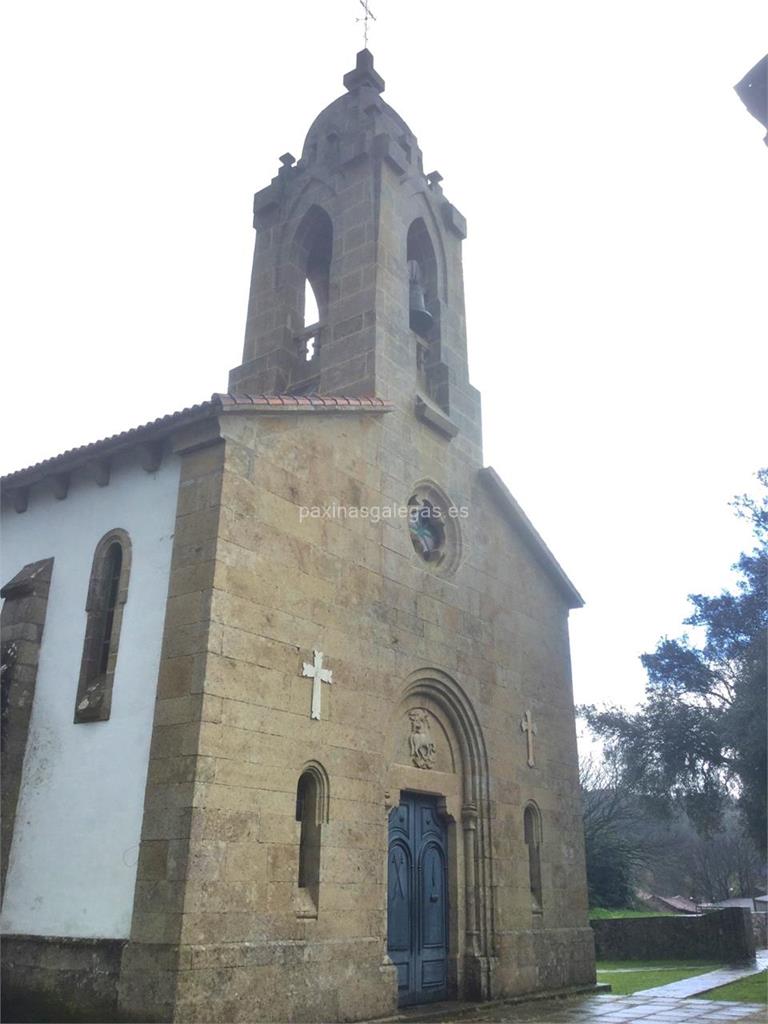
column 287, row 706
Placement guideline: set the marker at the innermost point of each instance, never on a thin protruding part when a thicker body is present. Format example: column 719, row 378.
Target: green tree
column 616, row 843
column 700, row 736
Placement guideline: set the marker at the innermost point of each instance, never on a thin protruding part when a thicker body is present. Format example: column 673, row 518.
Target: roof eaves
column 107, row 446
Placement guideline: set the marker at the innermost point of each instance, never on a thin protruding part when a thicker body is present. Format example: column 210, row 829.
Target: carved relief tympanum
column 421, row 743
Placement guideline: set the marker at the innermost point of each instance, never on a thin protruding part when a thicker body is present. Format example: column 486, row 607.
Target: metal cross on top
column 527, row 726
column 369, row 16
column 318, row 675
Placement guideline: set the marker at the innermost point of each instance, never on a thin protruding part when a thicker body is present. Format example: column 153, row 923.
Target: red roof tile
column 230, row 400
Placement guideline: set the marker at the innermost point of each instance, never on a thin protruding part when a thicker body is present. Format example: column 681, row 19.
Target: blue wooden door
column 417, row 901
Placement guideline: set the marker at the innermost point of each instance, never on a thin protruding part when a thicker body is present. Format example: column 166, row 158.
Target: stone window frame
column 532, row 836
column 311, row 815
column 95, row 687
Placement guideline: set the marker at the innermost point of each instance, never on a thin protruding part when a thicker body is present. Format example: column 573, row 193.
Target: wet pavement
column 667, row 1004
column 605, row 1009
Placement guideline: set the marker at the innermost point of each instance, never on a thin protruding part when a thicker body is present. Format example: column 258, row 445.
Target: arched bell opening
column 423, row 315
column 313, row 252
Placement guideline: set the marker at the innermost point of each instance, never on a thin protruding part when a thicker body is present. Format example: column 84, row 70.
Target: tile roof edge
column 114, row 443
column 243, row 402
column 219, row 402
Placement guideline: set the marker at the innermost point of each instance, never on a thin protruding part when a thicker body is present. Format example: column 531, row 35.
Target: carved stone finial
column 421, row 743
column 364, row 74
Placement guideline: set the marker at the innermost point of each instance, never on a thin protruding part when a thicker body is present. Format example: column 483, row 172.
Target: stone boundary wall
column 718, row 935
column 760, row 928
column 60, row 979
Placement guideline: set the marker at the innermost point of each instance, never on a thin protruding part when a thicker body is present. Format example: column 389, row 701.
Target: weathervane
column 369, row 15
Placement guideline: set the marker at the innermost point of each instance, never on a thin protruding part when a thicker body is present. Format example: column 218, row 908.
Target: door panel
column 399, row 925
column 417, row 908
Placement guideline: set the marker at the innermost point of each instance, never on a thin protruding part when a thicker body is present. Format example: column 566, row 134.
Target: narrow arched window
column 532, row 835
column 113, row 564
column 107, row 594
column 311, row 813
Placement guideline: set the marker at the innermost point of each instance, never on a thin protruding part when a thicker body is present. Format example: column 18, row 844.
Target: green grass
column 753, row 989
column 628, row 976
column 601, row 913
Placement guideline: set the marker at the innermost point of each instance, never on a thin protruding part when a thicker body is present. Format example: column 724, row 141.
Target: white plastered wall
column 72, row 867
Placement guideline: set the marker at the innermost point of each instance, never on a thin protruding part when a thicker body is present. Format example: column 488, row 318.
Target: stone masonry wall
column 60, row 979
column 357, row 591
column 718, row 935
column 152, row 959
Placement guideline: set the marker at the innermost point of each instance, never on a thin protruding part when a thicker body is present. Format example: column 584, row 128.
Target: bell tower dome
column 357, row 284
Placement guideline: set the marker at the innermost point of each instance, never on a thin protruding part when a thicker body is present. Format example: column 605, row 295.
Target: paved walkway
column 590, row 1009
column 706, row 982
column 621, row 1010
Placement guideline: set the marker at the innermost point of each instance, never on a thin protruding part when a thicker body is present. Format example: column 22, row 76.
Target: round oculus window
column 433, row 528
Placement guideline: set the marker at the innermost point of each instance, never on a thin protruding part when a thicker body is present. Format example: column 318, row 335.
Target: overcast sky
column 615, row 268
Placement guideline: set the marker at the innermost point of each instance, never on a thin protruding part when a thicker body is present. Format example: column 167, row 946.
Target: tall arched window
column 107, row 594
column 311, row 813
column 532, row 834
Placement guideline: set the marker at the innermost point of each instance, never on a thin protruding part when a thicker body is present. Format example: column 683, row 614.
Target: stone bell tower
column 356, row 224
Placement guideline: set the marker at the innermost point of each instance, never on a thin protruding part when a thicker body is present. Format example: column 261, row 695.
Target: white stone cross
column 527, row 726
column 318, row 675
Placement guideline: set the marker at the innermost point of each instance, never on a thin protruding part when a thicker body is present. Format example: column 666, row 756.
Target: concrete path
column 706, row 982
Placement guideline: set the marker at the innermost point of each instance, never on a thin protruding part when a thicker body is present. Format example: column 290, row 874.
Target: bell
column 419, row 316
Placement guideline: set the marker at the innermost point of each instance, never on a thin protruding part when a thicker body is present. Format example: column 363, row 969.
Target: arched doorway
column 440, row 939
